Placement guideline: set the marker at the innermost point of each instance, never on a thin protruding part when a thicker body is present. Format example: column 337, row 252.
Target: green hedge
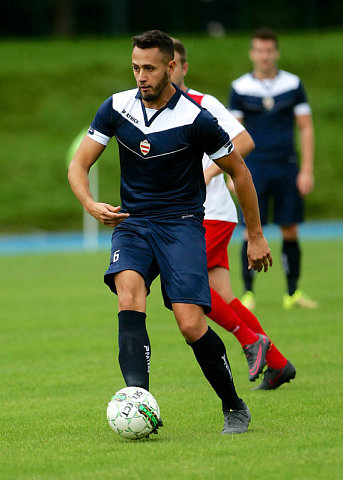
column 50, row 90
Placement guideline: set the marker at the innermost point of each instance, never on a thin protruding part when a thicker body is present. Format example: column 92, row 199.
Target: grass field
column 58, row 363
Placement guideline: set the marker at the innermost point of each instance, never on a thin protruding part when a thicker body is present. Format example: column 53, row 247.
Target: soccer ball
column 133, row 413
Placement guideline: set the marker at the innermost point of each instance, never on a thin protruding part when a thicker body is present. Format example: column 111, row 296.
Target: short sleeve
column 103, row 125
column 302, row 106
column 210, row 137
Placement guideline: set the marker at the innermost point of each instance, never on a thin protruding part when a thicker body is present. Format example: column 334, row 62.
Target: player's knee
column 192, row 330
column 289, row 232
column 130, row 299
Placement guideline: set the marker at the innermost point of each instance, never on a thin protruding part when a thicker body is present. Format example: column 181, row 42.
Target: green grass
column 58, row 364
column 50, row 90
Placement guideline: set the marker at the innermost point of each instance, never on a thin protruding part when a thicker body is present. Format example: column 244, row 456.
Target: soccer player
column 267, row 101
column 162, row 135
column 220, row 221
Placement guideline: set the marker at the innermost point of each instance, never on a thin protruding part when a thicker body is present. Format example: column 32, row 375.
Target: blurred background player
column 220, row 221
column 267, row 101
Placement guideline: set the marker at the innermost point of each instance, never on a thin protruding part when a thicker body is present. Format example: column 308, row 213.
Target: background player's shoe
column 256, row 356
column 248, row 300
column 236, row 421
column 298, row 299
column 273, row 377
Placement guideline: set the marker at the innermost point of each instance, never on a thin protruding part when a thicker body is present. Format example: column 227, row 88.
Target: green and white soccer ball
column 133, row 413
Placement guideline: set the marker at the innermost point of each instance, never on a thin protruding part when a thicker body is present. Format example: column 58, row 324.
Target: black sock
column 248, row 275
column 134, row 348
column 291, row 256
column 210, row 353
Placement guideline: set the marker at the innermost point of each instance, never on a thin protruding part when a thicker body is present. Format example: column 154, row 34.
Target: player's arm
column 87, row 154
column 305, row 179
column 244, row 144
column 258, row 249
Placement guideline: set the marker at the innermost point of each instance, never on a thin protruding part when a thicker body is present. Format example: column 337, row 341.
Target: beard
column 156, row 91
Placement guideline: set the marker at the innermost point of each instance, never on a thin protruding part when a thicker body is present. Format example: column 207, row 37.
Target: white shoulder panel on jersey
column 121, row 99
column 127, row 105
column 184, row 113
column 249, row 85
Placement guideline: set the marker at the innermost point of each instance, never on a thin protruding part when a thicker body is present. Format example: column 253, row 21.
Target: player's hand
column 259, row 255
column 106, row 213
column 305, row 182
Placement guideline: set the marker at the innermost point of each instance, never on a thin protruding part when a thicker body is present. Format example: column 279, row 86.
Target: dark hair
column 266, row 34
column 180, row 49
column 155, row 38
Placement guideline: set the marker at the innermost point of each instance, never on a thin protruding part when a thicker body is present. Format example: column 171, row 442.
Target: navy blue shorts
column 174, row 248
column 276, row 190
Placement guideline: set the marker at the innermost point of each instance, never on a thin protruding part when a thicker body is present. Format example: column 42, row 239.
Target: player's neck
column 264, row 74
column 162, row 100
column 183, row 87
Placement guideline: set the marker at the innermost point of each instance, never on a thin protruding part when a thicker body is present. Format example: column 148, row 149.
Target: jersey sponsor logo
column 129, row 116
column 145, row 147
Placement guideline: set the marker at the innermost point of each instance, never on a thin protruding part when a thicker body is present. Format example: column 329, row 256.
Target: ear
column 171, row 66
column 185, row 68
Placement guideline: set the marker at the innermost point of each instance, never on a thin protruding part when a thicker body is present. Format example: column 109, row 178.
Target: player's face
column 152, row 72
column 264, row 55
column 179, row 71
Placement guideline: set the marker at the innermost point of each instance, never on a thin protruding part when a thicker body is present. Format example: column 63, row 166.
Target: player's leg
column 248, row 297
column 180, row 250
column 291, row 256
column 218, row 235
column 131, row 271
column 210, row 353
column 255, row 345
column 134, row 344
column 288, row 213
column 221, row 313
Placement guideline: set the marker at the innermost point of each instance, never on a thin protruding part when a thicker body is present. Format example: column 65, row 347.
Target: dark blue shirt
column 160, row 151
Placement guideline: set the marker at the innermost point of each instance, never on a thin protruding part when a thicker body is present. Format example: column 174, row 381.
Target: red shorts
column 218, row 235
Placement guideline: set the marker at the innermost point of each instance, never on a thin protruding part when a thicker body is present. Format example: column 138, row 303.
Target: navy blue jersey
column 160, row 151
column 268, row 108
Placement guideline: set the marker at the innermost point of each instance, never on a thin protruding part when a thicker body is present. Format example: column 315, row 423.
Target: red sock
column 224, row 316
column 274, row 357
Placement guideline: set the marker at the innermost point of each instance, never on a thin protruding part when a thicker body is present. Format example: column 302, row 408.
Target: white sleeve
column 225, row 119
column 98, row 136
column 302, row 109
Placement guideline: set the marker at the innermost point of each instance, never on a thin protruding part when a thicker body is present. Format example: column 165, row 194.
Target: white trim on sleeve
column 226, row 150
column 98, row 137
column 302, row 109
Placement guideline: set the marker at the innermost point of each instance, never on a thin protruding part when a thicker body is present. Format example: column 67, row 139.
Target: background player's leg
column 254, row 343
column 134, row 344
column 221, row 313
column 248, row 298
column 291, row 256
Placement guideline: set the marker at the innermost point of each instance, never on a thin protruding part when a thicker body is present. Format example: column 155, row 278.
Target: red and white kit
column 220, row 210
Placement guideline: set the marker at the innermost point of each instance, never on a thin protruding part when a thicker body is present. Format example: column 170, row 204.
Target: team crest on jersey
column 268, row 103
column 145, row 147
